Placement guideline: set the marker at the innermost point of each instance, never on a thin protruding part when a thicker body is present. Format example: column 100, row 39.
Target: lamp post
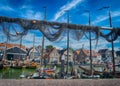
column 112, row 43
column 90, row 42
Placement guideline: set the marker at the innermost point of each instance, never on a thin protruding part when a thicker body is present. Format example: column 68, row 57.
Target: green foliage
column 49, row 47
column 71, row 49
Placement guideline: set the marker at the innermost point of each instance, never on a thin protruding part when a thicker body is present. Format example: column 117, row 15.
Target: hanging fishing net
column 12, row 32
column 54, row 31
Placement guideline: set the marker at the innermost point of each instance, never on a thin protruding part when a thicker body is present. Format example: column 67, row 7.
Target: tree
column 71, row 49
column 48, row 47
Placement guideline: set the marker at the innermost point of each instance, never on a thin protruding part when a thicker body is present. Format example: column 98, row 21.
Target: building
column 117, row 60
column 106, row 55
column 52, row 56
column 13, row 51
column 35, row 53
column 63, row 55
column 118, row 54
column 78, row 58
column 82, row 56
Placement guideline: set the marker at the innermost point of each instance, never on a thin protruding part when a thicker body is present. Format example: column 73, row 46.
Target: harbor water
column 12, row 73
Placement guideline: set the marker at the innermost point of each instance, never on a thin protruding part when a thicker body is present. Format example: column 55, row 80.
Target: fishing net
column 54, row 31
column 111, row 36
column 10, row 30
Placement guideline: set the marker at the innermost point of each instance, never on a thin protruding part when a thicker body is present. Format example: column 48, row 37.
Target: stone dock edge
column 59, row 82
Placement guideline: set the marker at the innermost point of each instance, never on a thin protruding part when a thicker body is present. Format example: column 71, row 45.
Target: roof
column 77, row 51
column 118, row 53
column 87, row 53
column 48, row 52
column 16, row 50
column 8, row 45
column 102, row 50
column 64, row 51
column 61, row 52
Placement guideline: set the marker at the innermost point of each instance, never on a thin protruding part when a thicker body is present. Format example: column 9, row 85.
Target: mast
column 43, row 38
column 90, row 42
column 33, row 46
column 90, row 46
column 112, row 43
column 6, row 44
column 67, row 42
column 20, row 47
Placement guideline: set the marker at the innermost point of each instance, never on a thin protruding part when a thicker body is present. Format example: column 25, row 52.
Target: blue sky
column 33, row 9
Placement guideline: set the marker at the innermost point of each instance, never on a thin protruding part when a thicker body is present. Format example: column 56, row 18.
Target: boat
column 104, row 74
column 1, row 66
column 6, row 66
column 88, row 71
column 22, row 76
column 35, row 75
column 16, row 67
column 32, row 65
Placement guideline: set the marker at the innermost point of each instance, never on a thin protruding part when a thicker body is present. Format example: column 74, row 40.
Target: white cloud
column 115, row 13
column 2, row 37
column 28, row 40
column 103, row 18
column 79, row 44
column 66, row 7
column 63, row 19
column 30, row 14
column 25, row 7
column 99, row 19
column 25, row 11
column 6, row 8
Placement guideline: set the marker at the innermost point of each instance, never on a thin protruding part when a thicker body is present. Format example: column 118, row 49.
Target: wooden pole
column 43, row 39
column 33, row 46
column 67, row 42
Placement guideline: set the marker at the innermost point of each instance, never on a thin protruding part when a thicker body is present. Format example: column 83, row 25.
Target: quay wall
column 60, row 82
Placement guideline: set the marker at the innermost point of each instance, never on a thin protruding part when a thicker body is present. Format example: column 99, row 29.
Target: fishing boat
column 1, row 66
column 35, row 75
column 32, row 65
column 88, row 71
column 22, row 76
column 16, row 67
column 6, row 66
column 103, row 74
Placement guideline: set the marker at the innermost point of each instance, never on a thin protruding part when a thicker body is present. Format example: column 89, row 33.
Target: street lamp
column 90, row 41
column 112, row 43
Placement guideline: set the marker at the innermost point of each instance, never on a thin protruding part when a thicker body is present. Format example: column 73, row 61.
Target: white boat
column 23, row 76
column 35, row 75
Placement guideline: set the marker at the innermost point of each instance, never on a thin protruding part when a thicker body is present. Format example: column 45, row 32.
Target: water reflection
column 12, row 73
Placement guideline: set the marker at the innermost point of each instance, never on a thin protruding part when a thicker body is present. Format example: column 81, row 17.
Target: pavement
column 60, row 82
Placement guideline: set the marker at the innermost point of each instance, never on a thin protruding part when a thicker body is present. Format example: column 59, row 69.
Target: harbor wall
column 60, row 82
